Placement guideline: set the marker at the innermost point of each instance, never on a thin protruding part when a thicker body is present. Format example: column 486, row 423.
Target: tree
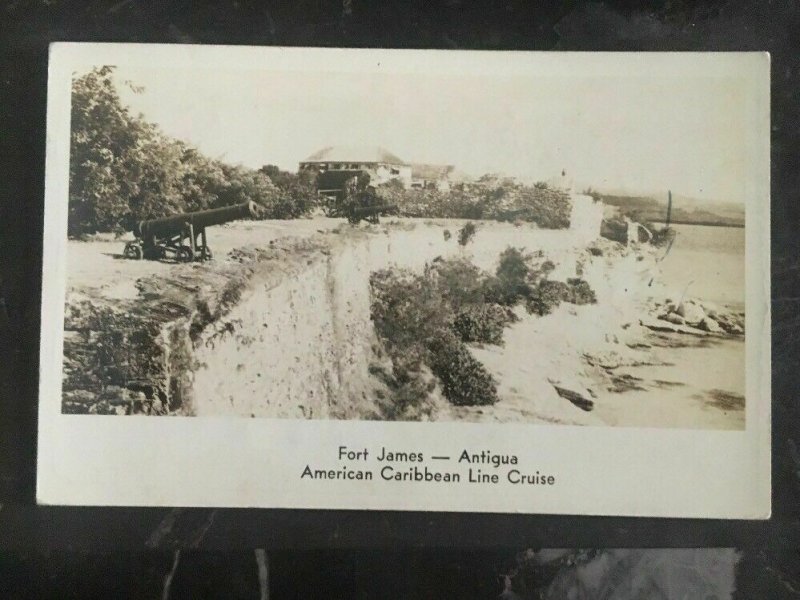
column 297, row 192
column 124, row 169
column 104, row 135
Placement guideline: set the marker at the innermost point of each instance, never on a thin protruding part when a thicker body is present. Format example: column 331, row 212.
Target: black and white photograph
column 389, row 300
column 367, row 271
column 407, row 246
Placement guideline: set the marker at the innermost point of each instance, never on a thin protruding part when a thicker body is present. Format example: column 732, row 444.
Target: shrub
column 481, row 323
column 580, row 292
column 422, row 320
column 410, row 386
column 546, row 296
column 465, row 381
column 406, row 308
column 124, row 169
column 458, row 280
column 512, row 277
column 466, row 233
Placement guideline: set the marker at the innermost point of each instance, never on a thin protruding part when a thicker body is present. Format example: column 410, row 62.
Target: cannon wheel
column 184, row 254
column 133, row 251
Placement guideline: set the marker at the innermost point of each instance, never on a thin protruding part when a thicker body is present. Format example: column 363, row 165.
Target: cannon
column 183, row 237
column 369, row 213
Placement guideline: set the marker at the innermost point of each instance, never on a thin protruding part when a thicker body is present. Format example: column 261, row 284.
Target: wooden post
column 669, row 206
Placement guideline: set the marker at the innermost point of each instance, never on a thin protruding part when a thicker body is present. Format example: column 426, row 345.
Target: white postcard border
column 146, row 461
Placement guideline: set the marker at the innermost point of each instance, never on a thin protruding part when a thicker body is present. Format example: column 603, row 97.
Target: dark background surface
column 26, row 29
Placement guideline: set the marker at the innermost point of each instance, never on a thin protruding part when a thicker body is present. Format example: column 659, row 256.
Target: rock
column 659, row 325
column 691, row 312
column 710, row 325
column 673, row 318
column 604, row 360
column 577, row 398
column 711, row 309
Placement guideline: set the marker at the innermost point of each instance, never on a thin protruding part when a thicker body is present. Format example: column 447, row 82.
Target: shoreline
column 636, row 370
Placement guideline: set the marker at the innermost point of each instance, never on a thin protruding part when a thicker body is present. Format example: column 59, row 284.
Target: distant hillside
column 684, row 211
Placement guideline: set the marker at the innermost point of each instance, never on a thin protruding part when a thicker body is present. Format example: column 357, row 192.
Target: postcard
column 407, row 280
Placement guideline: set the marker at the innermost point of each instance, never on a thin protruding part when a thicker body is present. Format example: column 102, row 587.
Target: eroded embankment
column 285, row 330
column 146, row 354
column 279, row 331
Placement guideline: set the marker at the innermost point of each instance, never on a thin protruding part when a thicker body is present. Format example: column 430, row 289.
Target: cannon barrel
column 168, row 226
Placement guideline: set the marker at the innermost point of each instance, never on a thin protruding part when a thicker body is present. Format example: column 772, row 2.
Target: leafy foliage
column 511, row 281
column 466, row 233
column 297, row 192
column 547, row 295
column 414, row 315
column 482, row 323
column 465, row 381
column 458, row 281
column 426, row 319
column 124, row 169
column 490, row 197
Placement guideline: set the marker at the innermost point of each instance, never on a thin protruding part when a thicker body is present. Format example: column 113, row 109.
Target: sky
column 643, row 133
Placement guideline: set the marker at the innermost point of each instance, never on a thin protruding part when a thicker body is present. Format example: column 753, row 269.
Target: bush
column 546, row 296
column 481, row 323
column 580, row 292
column 490, row 197
column 410, row 386
column 465, row 381
column 422, row 320
column 466, row 233
column 406, row 308
column 511, row 282
column 458, row 281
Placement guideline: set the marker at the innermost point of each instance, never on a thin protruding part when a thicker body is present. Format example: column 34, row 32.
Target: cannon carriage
column 183, row 237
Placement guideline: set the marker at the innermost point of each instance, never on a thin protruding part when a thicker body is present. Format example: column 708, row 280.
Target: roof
column 355, row 154
column 430, row 172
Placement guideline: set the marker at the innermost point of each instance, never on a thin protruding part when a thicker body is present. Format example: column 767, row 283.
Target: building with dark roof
column 381, row 165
